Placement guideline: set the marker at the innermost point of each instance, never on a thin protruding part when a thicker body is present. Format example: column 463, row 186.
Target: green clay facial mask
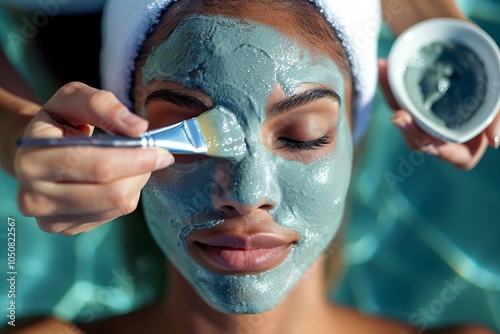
column 446, row 81
column 238, row 64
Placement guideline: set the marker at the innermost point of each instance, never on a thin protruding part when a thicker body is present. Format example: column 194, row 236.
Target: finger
column 44, row 124
column 72, row 227
column 463, row 156
column 52, row 199
column 493, row 132
column 384, row 84
column 89, row 164
column 415, row 137
column 77, row 104
column 75, row 224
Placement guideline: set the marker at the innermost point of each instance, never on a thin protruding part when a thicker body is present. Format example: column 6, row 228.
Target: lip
column 226, row 260
column 246, row 242
column 234, row 252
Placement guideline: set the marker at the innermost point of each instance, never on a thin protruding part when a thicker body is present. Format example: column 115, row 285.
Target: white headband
column 126, row 25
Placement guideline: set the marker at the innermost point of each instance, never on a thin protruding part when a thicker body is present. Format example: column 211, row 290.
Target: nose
column 231, row 208
column 242, row 188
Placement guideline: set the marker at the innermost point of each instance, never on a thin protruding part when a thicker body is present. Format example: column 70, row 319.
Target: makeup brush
column 215, row 132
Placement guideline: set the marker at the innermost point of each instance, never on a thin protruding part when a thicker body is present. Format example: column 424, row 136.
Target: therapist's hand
column 74, row 189
column 463, row 156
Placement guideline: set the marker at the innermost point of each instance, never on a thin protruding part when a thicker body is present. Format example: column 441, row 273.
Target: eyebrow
column 179, row 99
column 304, row 98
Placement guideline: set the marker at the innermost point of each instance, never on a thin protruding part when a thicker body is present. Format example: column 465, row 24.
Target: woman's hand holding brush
column 73, row 189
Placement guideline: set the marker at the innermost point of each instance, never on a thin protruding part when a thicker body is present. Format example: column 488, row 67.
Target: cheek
column 314, row 194
column 312, row 191
column 179, row 192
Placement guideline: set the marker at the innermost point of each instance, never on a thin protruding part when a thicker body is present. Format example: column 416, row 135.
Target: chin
column 243, row 294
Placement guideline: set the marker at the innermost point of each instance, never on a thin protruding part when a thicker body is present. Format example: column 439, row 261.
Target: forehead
column 301, row 20
column 205, row 52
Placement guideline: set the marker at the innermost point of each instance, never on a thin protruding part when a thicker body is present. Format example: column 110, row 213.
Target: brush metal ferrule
column 181, row 138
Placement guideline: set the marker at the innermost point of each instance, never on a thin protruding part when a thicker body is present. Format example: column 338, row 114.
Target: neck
column 301, row 310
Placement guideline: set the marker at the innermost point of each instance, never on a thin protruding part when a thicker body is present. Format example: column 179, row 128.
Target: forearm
column 17, row 108
column 402, row 14
column 42, row 325
column 15, row 115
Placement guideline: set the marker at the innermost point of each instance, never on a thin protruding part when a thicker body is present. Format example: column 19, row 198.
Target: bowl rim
column 395, row 77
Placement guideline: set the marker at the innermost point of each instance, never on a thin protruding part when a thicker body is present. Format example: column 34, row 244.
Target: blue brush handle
column 102, row 140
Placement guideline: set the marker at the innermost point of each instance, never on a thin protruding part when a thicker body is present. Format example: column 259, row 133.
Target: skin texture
column 296, row 319
column 16, row 111
column 251, row 59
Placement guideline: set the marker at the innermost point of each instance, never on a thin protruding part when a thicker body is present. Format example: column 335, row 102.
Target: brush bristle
column 222, row 133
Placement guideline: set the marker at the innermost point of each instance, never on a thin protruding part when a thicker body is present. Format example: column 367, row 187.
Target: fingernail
column 130, row 118
column 496, row 139
column 400, row 123
column 164, row 160
column 430, row 149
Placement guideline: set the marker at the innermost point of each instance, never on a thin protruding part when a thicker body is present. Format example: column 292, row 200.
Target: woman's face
column 243, row 231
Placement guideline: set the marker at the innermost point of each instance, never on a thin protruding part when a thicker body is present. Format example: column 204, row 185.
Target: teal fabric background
column 111, row 270
column 423, row 242
column 424, row 249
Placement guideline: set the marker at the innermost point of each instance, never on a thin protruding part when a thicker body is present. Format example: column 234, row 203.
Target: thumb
column 493, row 132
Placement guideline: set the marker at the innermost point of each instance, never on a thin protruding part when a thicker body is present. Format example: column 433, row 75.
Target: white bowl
column 411, row 41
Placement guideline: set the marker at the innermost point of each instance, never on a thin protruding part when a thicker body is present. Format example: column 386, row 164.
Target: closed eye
column 296, row 145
